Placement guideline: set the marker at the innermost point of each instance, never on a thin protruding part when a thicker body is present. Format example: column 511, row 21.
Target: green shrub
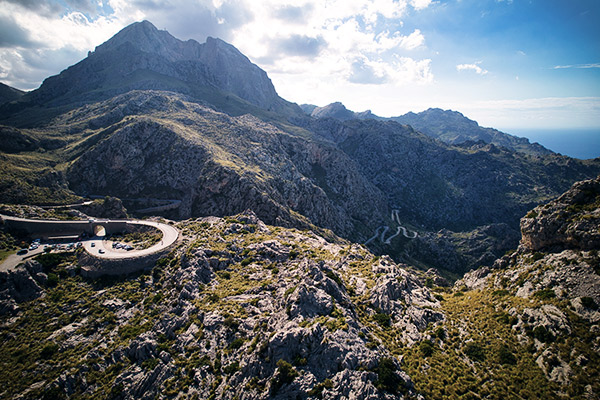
column 246, row 261
column 52, row 280
column 331, row 275
column 299, row 360
column 213, row 298
column 531, row 214
column 236, row 343
column 382, row 319
column 285, row 374
column 505, row 356
column 232, row 368
column 537, row 256
column 474, row 351
column 49, row 350
column 440, row 333
column 150, row 364
column 426, row 348
column 225, row 274
column 544, row 294
column 542, row 334
column 317, row 391
column 387, row 379
column 231, row 323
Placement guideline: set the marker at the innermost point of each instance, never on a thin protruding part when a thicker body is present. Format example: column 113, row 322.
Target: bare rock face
column 571, row 221
column 109, row 207
column 20, row 285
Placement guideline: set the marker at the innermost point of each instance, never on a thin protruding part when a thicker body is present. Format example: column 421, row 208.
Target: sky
column 508, row 64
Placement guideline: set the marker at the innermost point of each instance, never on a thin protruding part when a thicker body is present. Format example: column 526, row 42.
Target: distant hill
column 448, row 126
column 454, row 128
column 8, row 93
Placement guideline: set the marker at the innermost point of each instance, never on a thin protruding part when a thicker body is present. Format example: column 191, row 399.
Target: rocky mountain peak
column 141, row 57
column 334, row 110
column 338, row 111
column 145, row 37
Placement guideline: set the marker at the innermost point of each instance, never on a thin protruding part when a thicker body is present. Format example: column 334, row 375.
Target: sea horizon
column 582, row 143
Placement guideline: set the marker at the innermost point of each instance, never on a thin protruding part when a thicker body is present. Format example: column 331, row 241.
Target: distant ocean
column 578, row 143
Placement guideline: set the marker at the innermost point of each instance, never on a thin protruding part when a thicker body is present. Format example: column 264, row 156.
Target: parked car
column 101, row 251
column 93, row 244
column 22, row 251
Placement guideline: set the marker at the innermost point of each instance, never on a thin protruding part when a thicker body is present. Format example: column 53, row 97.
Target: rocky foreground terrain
column 245, row 310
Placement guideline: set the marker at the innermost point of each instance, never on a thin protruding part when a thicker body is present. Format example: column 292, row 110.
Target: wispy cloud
column 472, row 67
column 577, row 66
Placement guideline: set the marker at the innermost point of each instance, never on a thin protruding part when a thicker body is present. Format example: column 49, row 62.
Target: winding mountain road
column 395, row 218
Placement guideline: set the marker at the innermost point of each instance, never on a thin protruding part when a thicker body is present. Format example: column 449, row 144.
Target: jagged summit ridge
column 214, row 63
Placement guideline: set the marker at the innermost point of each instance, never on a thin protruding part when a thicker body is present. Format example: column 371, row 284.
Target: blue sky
column 508, row 64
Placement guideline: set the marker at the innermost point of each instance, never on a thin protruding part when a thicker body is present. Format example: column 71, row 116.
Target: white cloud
column 577, row 66
column 472, row 67
column 420, row 4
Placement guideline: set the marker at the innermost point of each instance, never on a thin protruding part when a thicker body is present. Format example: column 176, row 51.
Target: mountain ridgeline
column 149, row 116
column 448, row 126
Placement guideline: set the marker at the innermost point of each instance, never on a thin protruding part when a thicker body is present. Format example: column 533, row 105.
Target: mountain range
column 147, row 115
column 323, row 254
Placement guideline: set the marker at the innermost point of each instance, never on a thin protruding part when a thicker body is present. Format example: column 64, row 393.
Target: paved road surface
column 13, row 260
column 170, row 235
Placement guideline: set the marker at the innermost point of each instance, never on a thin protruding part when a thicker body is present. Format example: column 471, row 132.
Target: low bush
column 387, row 379
column 382, row 319
column 588, row 302
column 285, row 374
column 474, row 351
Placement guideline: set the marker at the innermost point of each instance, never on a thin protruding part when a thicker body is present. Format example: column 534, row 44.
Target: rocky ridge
column 454, row 128
column 163, row 145
column 449, row 126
